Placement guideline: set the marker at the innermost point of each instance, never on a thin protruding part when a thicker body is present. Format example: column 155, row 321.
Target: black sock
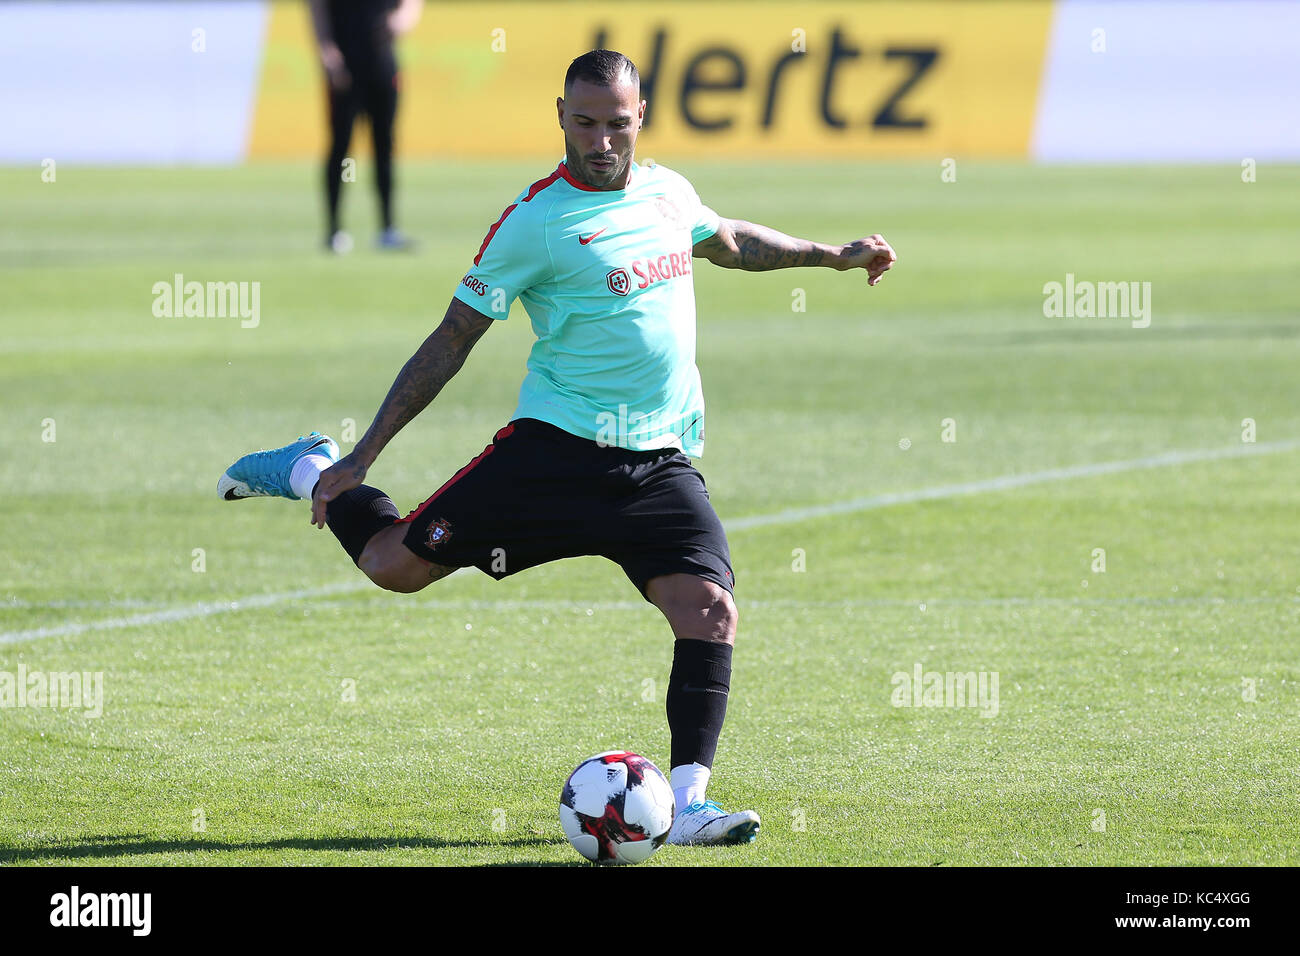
column 697, row 700
column 355, row 516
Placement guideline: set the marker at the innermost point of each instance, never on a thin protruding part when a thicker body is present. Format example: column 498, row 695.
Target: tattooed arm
column 417, row 384
column 746, row 245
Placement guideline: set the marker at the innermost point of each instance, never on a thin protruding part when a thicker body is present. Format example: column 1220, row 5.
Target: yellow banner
column 869, row 80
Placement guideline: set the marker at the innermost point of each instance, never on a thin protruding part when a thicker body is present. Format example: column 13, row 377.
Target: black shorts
column 538, row 493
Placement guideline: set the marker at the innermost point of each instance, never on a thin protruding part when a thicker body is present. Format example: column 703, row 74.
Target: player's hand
column 344, row 475
column 872, row 253
column 331, row 57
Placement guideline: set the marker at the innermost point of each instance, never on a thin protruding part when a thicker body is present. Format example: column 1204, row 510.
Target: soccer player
column 355, row 41
column 595, row 458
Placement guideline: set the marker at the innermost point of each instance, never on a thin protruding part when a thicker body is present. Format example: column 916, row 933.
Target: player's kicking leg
column 703, row 617
column 365, row 520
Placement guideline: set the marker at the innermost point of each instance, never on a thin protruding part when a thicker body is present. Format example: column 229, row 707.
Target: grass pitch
column 262, row 705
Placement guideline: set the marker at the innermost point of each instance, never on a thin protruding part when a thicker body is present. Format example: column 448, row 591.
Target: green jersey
column 606, row 279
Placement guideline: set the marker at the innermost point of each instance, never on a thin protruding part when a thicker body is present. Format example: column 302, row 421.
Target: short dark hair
column 602, row 67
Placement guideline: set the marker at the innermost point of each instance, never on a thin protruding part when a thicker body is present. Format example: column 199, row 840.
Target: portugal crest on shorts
column 618, row 281
column 439, row 533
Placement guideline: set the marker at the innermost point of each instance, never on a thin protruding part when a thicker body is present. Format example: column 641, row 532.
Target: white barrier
column 160, row 83
column 1190, row 81
column 129, row 82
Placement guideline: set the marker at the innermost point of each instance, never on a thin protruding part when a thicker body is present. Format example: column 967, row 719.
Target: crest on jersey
column 439, row 533
column 668, row 209
column 619, row 282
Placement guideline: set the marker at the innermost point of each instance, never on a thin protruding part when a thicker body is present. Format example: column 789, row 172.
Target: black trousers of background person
column 373, row 91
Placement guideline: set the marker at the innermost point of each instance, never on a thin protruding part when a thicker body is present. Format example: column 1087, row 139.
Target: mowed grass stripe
column 1001, row 483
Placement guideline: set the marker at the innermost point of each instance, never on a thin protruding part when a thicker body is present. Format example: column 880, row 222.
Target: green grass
column 1120, row 691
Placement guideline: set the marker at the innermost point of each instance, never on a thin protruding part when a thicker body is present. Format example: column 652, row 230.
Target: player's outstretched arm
column 417, row 384
column 746, row 245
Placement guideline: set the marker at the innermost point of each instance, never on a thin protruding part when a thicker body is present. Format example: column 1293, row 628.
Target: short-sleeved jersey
column 606, row 278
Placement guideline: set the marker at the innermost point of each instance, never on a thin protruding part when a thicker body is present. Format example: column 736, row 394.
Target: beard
column 594, row 176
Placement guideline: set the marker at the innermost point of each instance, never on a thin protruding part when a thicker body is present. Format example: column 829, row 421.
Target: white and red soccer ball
column 617, row 807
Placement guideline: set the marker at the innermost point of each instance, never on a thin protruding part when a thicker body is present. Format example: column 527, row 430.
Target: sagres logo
column 80, row 689
column 618, row 281
column 75, row 908
column 923, row 688
column 669, row 266
column 208, row 300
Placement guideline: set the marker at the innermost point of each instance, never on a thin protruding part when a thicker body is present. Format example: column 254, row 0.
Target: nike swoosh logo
column 583, row 241
column 687, row 688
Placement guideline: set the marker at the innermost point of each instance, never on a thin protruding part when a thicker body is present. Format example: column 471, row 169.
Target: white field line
column 124, row 604
column 853, row 505
column 1006, row 482
column 205, row 609
column 918, row 604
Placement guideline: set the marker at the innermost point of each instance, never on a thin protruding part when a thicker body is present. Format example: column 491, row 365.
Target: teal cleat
column 266, row 473
column 707, row 824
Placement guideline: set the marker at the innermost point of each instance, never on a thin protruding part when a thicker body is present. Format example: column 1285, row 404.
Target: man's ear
column 559, row 109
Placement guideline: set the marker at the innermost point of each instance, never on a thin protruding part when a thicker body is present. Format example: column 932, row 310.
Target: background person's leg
column 381, row 106
column 342, row 114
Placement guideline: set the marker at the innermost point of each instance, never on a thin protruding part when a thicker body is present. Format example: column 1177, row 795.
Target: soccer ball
column 617, row 807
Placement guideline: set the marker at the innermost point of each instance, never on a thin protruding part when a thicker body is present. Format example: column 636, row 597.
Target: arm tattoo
column 761, row 248
column 423, row 376
column 746, row 245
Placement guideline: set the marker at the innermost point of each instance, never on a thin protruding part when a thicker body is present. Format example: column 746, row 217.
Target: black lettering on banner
column 839, row 51
column 721, row 69
column 692, row 82
column 922, row 59
column 648, row 76
column 774, row 80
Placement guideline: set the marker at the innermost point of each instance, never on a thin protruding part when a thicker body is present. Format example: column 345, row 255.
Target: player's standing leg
column 703, row 618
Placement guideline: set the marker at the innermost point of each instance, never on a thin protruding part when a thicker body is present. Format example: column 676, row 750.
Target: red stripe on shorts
column 503, row 433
